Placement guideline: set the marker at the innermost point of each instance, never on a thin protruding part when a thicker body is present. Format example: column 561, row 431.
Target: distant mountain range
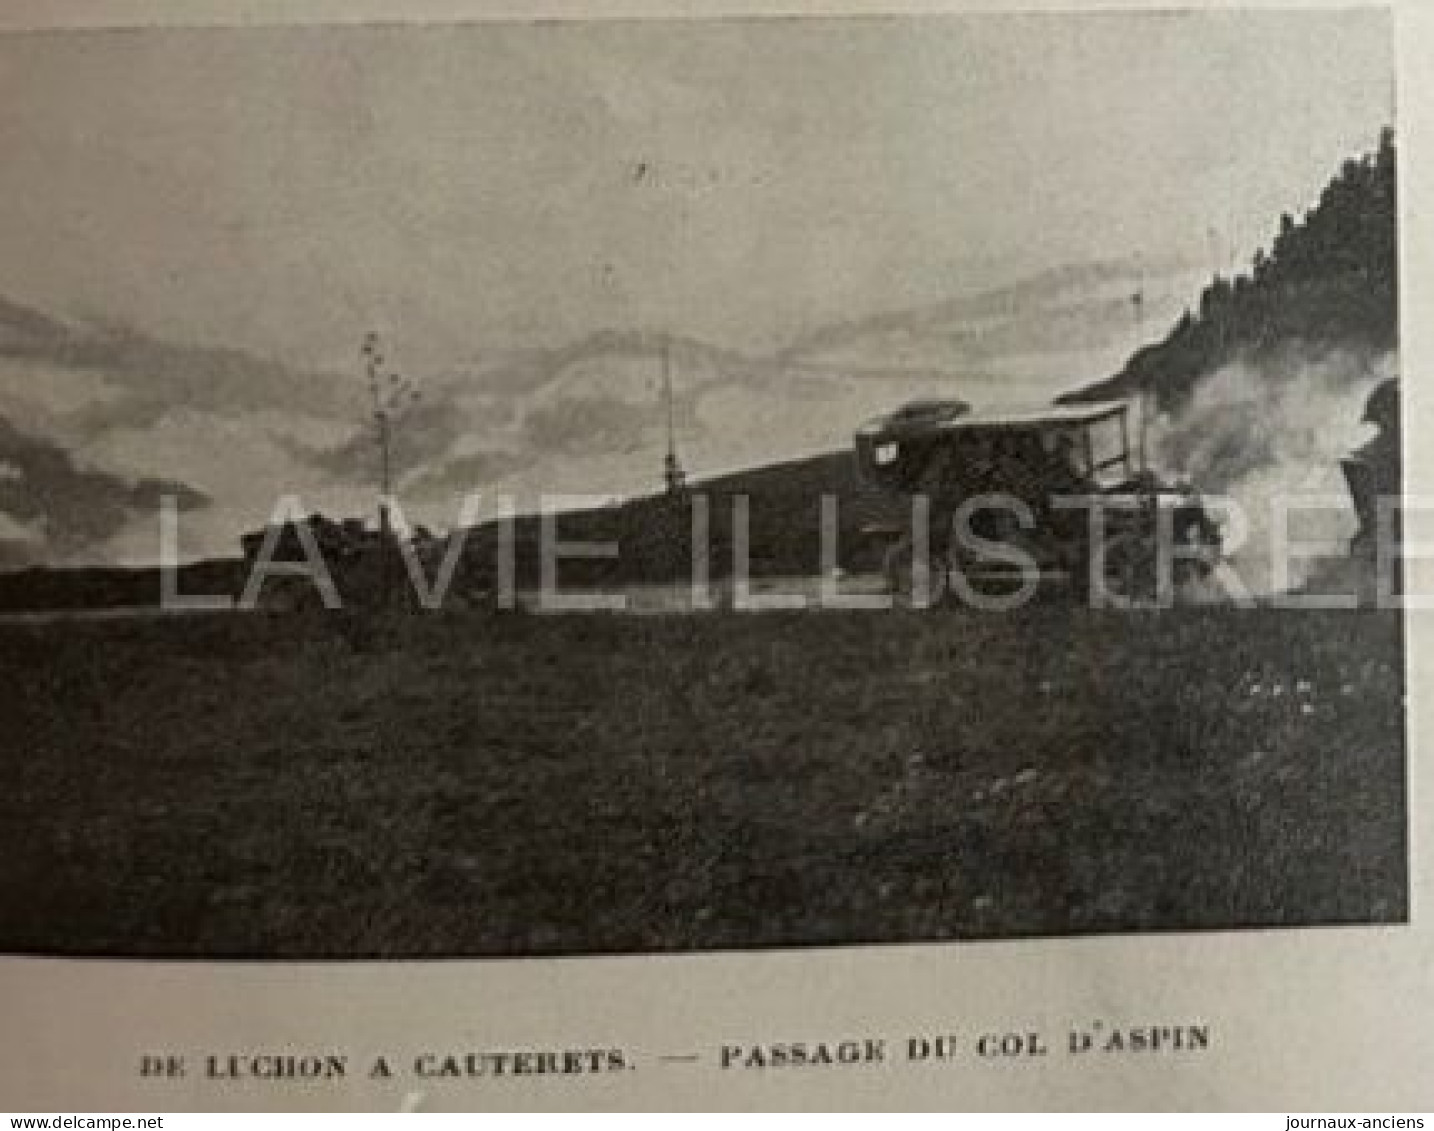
column 95, row 418
column 589, row 410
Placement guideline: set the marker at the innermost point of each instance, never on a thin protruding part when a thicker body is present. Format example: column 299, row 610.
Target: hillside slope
column 1329, row 280
column 783, row 507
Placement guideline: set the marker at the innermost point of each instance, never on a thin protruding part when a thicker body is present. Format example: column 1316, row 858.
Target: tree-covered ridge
column 1330, row 278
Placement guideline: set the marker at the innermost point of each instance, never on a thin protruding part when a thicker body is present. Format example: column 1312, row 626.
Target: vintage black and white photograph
column 618, row 486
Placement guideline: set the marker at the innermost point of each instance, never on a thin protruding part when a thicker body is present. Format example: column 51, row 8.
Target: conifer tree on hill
column 1330, row 278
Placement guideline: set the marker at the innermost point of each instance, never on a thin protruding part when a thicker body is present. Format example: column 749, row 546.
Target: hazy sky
column 763, row 188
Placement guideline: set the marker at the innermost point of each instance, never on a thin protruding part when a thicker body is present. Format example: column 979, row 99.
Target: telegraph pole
column 672, row 473
column 1137, row 305
column 390, row 395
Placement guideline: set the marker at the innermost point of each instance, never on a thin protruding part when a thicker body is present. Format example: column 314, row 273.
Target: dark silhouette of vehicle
column 1053, row 495
column 1373, row 475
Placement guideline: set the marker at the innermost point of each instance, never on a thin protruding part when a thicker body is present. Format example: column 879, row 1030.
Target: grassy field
column 479, row 785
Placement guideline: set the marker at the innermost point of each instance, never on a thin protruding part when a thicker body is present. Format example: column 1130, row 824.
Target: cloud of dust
column 1259, row 430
